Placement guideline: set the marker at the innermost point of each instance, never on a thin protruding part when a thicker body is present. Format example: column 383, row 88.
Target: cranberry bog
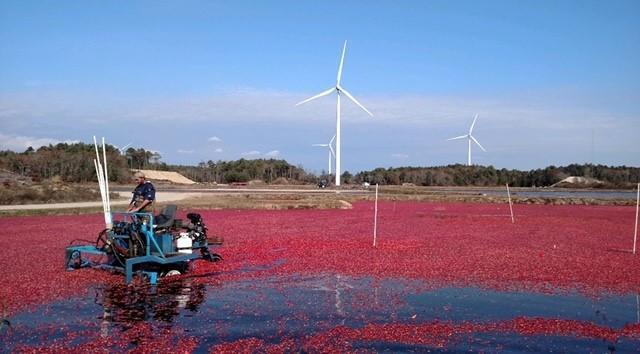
column 445, row 277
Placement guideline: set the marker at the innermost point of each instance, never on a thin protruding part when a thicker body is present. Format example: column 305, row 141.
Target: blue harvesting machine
column 146, row 245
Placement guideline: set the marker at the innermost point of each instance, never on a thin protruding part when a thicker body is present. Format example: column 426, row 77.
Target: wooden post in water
column 635, row 231
column 375, row 219
column 510, row 204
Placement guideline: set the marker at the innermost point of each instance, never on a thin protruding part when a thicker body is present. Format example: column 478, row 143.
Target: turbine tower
column 339, row 90
column 469, row 138
column 331, row 152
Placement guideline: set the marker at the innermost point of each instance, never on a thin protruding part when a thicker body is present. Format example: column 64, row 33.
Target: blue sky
column 553, row 82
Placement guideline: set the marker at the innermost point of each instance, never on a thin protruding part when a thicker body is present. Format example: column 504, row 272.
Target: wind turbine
column 331, row 152
column 340, row 90
column 123, row 150
column 469, row 138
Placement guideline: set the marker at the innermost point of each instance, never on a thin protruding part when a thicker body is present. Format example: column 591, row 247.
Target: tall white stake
column 105, row 208
column 375, row 220
column 95, row 145
column 510, row 204
column 99, row 166
column 95, row 163
column 102, row 184
column 106, row 177
column 635, row 231
column 105, row 182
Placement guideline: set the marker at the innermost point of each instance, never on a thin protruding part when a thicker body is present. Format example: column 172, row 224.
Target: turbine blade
column 344, row 50
column 354, row 100
column 459, row 137
column 472, row 124
column 324, row 93
column 319, row 145
column 476, row 141
column 331, row 146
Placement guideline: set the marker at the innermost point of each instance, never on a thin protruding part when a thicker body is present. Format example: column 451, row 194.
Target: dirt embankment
column 47, row 192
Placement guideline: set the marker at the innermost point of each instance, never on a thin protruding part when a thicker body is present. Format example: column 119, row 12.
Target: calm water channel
column 276, row 309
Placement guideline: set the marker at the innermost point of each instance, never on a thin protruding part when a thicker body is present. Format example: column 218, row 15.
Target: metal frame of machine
column 136, row 244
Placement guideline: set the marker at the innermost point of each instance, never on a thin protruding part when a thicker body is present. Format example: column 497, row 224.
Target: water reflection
column 125, row 305
column 290, row 310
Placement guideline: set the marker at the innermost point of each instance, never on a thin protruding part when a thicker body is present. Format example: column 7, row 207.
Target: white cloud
column 400, row 156
column 509, row 125
column 545, row 110
column 181, row 151
column 252, row 153
column 218, row 150
column 21, row 143
column 273, row 153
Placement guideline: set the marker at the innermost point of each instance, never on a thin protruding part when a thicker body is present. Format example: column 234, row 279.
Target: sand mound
column 280, row 180
column 9, row 178
column 575, row 182
column 170, row 176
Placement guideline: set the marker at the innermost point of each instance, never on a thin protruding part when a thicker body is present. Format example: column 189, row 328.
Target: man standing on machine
column 143, row 195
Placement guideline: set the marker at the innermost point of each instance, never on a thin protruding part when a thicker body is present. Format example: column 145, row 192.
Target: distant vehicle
column 323, row 183
column 365, row 184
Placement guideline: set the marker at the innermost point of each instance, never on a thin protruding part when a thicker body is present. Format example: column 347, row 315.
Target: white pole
column 375, row 219
column 107, row 215
column 95, row 163
column 100, row 182
column 107, row 212
column 106, row 176
column 95, row 145
column 510, row 204
column 635, row 231
column 98, row 166
column 107, row 219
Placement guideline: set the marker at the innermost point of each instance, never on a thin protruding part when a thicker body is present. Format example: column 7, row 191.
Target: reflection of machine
column 123, row 305
column 140, row 243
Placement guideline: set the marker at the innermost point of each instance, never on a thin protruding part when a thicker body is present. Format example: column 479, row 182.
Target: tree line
column 266, row 170
column 462, row 175
column 69, row 162
column 74, row 163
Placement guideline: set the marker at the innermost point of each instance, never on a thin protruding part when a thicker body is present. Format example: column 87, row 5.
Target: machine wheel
column 175, row 269
column 74, row 260
column 172, row 273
